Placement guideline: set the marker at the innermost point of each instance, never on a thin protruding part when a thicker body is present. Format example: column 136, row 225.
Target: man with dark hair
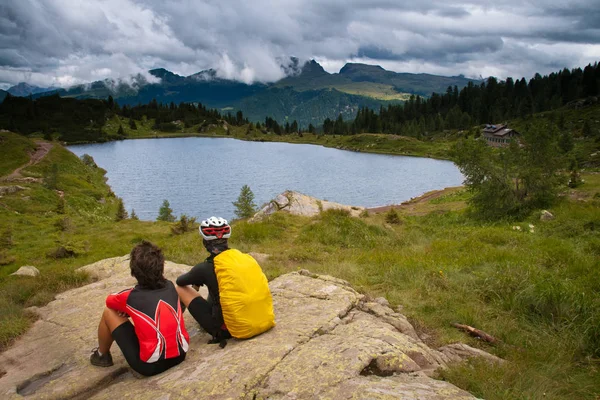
column 157, row 340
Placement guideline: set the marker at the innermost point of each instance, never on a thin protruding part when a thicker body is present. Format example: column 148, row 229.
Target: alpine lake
column 201, row 177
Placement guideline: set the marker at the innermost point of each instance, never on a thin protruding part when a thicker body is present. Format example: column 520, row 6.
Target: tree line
column 490, row 102
column 74, row 120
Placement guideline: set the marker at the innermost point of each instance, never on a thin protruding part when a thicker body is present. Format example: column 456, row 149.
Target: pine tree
column 244, row 206
column 132, row 124
column 121, row 132
column 134, row 215
column 165, row 213
column 121, row 212
column 60, row 208
column 51, row 177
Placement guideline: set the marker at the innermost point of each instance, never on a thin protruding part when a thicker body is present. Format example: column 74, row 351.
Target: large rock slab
column 329, row 342
column 300, row 204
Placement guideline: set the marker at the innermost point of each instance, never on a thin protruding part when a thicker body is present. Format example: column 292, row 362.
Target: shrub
column 64, row 224
column 5, row 258
column 65, row 251
column 60, row 208
column 6, row 239
column 185, row 224
column 51, row 177
column 89, row 161
column 392, row 217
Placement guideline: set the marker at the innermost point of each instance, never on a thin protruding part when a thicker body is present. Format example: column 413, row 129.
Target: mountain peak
column 313, row 68
column 205, row 75
column 165, row 75
column 358, row 67
column 24, row 89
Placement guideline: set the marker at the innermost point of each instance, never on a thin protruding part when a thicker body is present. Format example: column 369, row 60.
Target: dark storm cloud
column 63, row 42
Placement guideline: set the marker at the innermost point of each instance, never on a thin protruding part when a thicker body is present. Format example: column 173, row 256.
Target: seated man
column 157, row 339
column 239, row 302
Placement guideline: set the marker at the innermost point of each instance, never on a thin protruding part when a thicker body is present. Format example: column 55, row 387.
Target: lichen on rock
column 329, row 342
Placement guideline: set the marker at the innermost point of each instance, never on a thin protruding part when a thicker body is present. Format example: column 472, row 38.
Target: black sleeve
column 196, row 276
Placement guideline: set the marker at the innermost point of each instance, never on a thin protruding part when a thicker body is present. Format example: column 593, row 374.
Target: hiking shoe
column 104, row 360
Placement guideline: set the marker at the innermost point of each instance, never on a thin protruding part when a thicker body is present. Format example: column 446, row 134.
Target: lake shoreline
column 331, row 141
column 267, row 169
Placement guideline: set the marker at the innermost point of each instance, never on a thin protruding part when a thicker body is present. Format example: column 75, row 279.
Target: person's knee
column 186, row 294
column 112, row 318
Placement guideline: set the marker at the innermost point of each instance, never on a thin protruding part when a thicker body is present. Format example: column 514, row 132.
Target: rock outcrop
column 329, row 342
column 27, row 270
column 546, row 216
column 300, row 204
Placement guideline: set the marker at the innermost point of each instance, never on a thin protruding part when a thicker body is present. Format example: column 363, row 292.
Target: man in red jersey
column 157, row 339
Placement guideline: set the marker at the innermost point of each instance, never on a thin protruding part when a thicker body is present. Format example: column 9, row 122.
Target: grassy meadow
column 536, row 289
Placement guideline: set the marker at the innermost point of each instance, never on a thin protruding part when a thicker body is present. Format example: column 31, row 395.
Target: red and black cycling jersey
column 158, row 320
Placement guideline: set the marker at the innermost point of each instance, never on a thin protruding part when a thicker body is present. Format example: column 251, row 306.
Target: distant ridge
column 23, row 89
column 308, row 94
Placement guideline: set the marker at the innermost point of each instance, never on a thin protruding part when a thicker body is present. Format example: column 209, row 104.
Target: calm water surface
column 202, row 176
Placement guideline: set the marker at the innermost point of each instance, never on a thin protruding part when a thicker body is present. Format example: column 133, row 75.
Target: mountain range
column 309, row 94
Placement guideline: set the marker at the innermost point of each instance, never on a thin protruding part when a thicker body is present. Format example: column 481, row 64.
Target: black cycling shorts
column 129, row 344
column 203, row 312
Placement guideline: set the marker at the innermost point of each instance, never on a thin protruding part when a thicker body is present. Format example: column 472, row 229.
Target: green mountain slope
column 3, row 95
column 361, row 85
column 306, row 107
column 371, row 81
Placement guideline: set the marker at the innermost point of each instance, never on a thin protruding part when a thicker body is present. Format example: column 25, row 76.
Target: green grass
column 15, row 150
column 538, row 292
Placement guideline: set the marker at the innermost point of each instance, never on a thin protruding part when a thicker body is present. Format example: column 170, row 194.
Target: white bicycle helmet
column 215, row 228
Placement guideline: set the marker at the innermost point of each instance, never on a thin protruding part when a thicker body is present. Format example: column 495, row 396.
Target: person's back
column 157, row 339
column 216, row 275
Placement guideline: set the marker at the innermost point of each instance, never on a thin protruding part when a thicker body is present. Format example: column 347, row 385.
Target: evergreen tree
column 121, row 132
column 132, row 124
column 586, row 131
column 121, row 212
column 565, row 142
column 60, row 209
column 165, row 213
column 134, row 215
column 51, row 177
column 244, row 206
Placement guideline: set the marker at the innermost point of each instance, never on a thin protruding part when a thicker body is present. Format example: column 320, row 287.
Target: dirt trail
column 434, row 194
column 40, row 152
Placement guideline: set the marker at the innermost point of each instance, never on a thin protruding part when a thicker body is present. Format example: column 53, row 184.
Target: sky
column 67, row 42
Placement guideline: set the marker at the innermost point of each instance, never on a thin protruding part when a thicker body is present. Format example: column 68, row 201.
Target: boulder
column 546, row 216
column 300, row 204
column 27, row 270
column 329, row 342
column 4, row 190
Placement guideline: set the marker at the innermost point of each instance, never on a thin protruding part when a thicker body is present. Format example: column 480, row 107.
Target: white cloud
column 62, row 42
